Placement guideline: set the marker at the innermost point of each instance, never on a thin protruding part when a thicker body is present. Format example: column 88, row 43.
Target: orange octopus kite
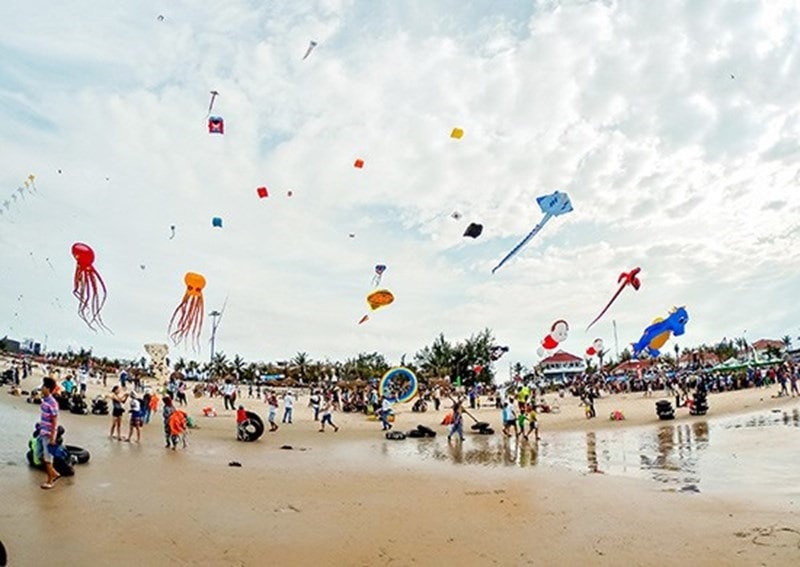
column 189, row 312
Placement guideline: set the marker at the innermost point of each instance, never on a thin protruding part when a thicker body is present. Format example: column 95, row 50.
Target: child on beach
column 135, row 418
column 272, row 400
column 457, row 423
column 509, row 419
column 533, row 423
column 241, row 418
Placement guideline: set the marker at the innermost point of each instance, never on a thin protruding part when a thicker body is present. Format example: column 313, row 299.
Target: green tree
column 787, row 342
column 300, row 363
column 437, row 360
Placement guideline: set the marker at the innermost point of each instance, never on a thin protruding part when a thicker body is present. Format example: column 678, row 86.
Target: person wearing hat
column 136, row 416
column 48, row 430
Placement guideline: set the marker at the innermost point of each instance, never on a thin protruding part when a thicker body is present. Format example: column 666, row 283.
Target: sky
column 672, row 126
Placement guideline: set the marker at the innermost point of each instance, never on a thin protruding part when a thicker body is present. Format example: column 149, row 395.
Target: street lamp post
column 215, row 315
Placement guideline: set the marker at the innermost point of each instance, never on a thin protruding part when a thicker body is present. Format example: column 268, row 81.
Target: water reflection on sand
column 747, row 452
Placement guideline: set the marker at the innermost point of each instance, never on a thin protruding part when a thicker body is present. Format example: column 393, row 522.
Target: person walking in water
column 457, row 425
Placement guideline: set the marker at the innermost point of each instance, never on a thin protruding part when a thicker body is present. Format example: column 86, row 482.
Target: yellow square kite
column 457, row 133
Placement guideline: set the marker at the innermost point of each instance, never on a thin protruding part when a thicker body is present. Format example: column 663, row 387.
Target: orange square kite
column 359, row 163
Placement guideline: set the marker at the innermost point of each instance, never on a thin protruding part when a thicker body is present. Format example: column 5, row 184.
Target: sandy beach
column 346, row 498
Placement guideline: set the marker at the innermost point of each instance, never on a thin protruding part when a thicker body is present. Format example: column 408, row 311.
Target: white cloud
column 670, row 162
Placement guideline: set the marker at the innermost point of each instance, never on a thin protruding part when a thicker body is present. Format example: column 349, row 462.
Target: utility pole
column 215, row 315
column 616, row 340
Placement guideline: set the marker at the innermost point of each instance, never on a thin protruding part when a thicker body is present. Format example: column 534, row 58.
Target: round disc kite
column 398, row 385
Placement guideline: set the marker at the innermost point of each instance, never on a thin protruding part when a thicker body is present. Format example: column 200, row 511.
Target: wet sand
column 353, row 498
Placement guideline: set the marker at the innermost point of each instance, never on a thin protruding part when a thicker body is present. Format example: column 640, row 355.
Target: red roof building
column 764, row 344
column 561, row 365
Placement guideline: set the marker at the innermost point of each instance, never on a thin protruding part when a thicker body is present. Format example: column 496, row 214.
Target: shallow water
column 755, row 453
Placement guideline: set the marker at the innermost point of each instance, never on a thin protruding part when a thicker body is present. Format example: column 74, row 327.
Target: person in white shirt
column 327, row 417
column 288, row 405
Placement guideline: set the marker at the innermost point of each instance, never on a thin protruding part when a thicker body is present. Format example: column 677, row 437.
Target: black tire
column 80, row 454
column 395, row 435
column 480, row 425
column 415, row 434
column 63, row 467
column 426, row 431
column 3, row 555
column 485, row 431
column 252, row 428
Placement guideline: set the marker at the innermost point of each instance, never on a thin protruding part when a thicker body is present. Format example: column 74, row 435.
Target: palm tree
column 237, row 366
column 219, row 365
column 787, row 342
column 180, row 365
column 301, row 361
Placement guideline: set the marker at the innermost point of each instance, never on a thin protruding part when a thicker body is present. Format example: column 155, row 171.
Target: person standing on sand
column 117, row 409
column 272, row 400
column 385, row 412
column 229, row 394
column 167, row 412
column 327, row 411
column 135, row 420
column 288, row 406
column 48, row 427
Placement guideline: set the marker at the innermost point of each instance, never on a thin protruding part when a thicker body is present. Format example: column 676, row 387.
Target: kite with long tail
column 552, row 205
column 311, row 46
column 625, row 279
column 214, row 95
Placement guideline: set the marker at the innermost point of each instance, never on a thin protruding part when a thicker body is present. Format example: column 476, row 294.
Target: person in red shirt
column 241, row 417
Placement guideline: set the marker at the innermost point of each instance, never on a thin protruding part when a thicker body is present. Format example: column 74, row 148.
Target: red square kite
column 262, row 192
column 359, row 163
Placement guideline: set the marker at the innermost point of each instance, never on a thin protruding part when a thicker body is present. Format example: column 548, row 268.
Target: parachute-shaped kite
column 216, row 222
column 559, row 331
column 189, row 312
column 654, row 336
column 376, row 279
column 474, row 230
column 377, row 299
column 596, row 348
column 625, row 279
column 88, row 287
column 311, row 46
column 552, row 205
column 216, row 125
